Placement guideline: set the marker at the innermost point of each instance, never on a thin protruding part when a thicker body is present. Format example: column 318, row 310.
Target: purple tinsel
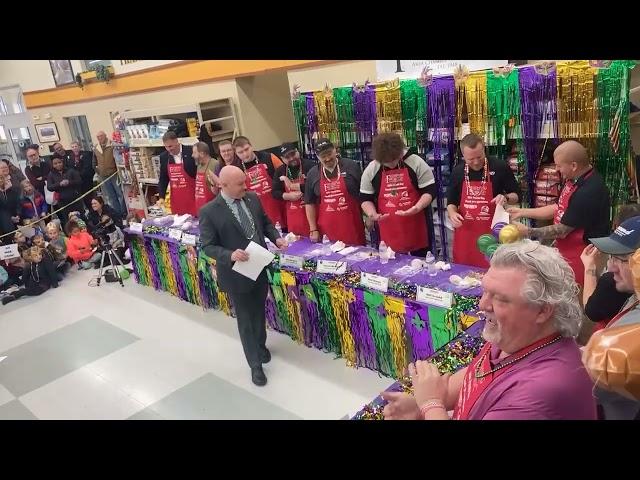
column 366, row 119
column 153, row 262
column 420, row 337
column 312, row 121
column 442, row 118
column 270, row 313
column 174, row 254
column 361, row 331
column 309, row 311
column 538, row 95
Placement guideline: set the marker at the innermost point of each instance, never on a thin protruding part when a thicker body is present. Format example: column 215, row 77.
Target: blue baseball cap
column 623, row 241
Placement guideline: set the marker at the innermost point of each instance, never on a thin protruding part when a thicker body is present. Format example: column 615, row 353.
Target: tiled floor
column 108, row 352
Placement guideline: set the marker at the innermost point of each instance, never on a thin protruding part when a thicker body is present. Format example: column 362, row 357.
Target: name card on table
column 331, row 266
column 10, row 251
column 175, row 234
column 376, row 282
column 135, row 227
column 292, row 261
column 189, row 239
column 434, row 297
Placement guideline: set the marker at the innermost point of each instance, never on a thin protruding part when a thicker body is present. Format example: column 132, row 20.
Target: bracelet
column 314, row 231
column 430, row 405
column 424, row 411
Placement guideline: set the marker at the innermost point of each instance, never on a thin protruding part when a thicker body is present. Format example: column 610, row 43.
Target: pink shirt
column 550, row 384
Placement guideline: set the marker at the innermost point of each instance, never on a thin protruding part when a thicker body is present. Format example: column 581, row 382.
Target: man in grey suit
column 227, row 225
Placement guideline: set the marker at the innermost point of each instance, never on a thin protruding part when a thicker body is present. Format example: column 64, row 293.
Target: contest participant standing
column 178, row 169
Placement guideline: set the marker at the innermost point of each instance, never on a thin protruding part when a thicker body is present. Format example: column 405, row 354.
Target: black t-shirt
column 589, row 207
column 606, row 301
column 502, row 180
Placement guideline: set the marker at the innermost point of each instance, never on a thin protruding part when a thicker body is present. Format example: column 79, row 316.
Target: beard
column 492, row 332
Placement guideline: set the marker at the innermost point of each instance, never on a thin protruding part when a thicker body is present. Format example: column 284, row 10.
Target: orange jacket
column 79, row 247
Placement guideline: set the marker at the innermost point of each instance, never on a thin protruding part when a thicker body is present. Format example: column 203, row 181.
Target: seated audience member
column 22, row 241
column 76, row 217
column 98, row 210
column 530, row 368
column 32, row 205
column 14, row 269
column 81, row 247
column 50, row 252
column 39, row 275
column 600, row 297
column 620, row 246
column 57, row 238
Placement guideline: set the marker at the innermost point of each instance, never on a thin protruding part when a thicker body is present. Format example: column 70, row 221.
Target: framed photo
column 62, row 72
column 47, row 132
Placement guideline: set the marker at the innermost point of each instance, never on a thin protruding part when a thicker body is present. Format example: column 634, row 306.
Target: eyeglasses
column 616, row 259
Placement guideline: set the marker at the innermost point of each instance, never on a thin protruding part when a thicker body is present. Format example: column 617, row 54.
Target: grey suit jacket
column 221, row 234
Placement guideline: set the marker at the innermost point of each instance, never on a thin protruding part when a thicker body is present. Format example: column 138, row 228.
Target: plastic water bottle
column 279, row 229
column 429, row 258
column 326, row 245
column 384, row 253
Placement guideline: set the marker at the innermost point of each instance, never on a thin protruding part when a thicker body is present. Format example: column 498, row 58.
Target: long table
column 333, row 312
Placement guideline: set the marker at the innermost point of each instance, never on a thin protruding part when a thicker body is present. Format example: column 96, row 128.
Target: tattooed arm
column 550, row 232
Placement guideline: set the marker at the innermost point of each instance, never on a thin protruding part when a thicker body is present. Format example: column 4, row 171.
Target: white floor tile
column 5, row 395
column 81, row 395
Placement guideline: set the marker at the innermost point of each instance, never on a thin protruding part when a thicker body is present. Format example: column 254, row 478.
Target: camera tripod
column 112, row 256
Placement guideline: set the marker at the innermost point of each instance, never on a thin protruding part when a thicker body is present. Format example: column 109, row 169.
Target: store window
column 92, row 64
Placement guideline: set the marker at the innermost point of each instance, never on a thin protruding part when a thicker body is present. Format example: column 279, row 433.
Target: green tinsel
column 326, row 317
column 343, row 98
column 413, row 101
column 279, row 296
column 163, row 270
column 612, row 85
column 300, row 113
column 374, row 303
column 137, row 253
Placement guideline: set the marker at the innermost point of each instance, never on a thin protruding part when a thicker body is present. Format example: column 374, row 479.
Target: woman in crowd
column 98, row 210
column 33, row 206
column 9, row 203
column 14, row 172
column 66, row 183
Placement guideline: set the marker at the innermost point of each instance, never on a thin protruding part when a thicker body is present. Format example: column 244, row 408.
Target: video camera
column 103, row 230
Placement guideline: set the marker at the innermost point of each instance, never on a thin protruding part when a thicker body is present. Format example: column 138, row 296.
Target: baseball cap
column 323, row 145
column 623, row 241
column 287, row 147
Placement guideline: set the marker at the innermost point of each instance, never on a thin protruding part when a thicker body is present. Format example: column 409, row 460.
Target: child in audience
column 81, row 247
column 22, row 241
column 57, row 239
column 39, row 275
column 58, row 259
column 75, row 216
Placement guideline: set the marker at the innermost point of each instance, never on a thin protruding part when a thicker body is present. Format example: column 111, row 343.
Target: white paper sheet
column 500, row 215
column 259, row 258
column 2, row 358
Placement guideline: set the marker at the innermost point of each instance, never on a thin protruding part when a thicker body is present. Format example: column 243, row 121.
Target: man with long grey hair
column 530, row 367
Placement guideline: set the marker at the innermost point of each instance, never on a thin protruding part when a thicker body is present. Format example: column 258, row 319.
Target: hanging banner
column 391, row 69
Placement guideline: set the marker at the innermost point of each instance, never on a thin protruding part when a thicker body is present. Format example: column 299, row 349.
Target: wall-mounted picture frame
column 47, row 132
column 62, row 72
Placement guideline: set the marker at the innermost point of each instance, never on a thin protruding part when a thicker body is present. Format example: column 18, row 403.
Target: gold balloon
column 509, row 234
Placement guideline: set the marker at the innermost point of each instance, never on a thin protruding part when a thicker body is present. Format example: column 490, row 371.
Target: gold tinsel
column 471, row 94
column 341, row 297
column 293, row 305
column 389, row 107
column 577, row 102
column 397, row 335
column 326, row 115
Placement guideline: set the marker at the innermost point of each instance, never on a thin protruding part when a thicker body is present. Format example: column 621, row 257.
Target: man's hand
column 43, row 214
column 314, row 236
column 39, row 179
column 281, row 243
column 590, row 257
column 428, row 384
column 456, row 219
column 292, row 196
column 401, row 406
column 239, row 256
column 515, row 213
column 64, row 182
column 499, row 199
column 522, row 229
column 377, row 217
column 408, row 212
column 15, row 219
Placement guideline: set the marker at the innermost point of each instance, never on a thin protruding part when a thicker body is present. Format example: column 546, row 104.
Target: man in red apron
column 206, row 180
column 582, row 210
column 288, row 185
column 476, row 187
column 395, row 189
column 178, row 170
column 530, row 368
column 331, row 197
column 260, row 168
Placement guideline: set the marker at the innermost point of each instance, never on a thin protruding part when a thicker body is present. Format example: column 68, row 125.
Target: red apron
column 473, row 388
column 258, row 181
column 402, row 234
column 477, row 210
column 296, row 216
column 573, row 244
column 203, row 191
column 182, row 190
column 339, row 214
